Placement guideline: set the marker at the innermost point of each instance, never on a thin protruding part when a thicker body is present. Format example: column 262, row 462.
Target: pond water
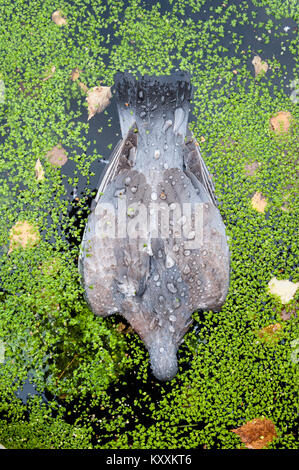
column 109, row 122
column 276, row 47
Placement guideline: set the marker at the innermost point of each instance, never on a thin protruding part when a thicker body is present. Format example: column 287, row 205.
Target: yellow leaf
column 260, row 66
column 259, row 202
column 280, row 122
column 284, row 289
column 270, row 333
column 39, row 171
column 58, row 18
column 23, row 235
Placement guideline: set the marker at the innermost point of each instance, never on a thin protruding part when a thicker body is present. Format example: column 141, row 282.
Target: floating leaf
column 270, row 333
column 23, row 235
column 260, row 66
column 120, row 327
column 124, row 329
column 57, row 156
column 74, row 77
column 75, row 74
column 58, row 18
column 49, row 73
column 287, row 314
column 257, row 433
column 39, row 171
column 284, row 289
column 98, row 98
column 251, row 168
column 259, row 202
column 280, row 122
column 2, row 352
column 83, row 87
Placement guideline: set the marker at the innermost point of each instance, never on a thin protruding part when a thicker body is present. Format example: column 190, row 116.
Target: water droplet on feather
column 119, row 192
column 171, row 288
column 166, row 125
column 169, row 262
column 186, row 269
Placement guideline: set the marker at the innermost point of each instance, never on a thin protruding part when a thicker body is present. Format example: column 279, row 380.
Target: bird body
column 154, row 247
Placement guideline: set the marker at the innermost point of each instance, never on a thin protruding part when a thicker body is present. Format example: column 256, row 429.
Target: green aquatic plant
column 95, row 375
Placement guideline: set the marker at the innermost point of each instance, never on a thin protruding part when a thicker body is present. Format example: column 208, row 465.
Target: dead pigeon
column 154, row 248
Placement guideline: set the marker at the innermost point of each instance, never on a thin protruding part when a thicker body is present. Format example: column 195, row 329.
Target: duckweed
column 92, row 385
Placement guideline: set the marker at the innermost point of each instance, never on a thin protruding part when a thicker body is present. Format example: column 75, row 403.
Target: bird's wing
column 196, row 166
column 122, row 157
column 110, row 170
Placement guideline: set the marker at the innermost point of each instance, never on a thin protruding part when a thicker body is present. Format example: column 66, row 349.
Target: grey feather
column 154, row 281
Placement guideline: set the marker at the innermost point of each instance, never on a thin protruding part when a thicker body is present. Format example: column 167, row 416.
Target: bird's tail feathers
column 149, row 99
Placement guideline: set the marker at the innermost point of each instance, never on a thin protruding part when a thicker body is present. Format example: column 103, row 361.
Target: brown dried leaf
column 50, row 72
column 57, row 156
column 83, row 87
column 29, row 90
column 58, row 18
column 259, row 202
column 260, row 66
column 75, row 74
column 256, row 434
column 122, row 328
column 287, row 314
column 270, row 333
column 251, row 168
column 23, row 235
column 39, row 171
column 98, row 98
column 280, row 122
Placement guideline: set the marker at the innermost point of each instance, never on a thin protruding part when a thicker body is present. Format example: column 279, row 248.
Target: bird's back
column 154, row 248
